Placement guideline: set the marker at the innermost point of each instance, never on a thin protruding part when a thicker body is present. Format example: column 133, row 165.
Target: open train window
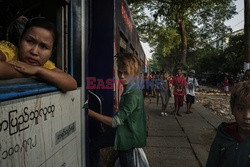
column 136, row 53
column 132, row 49
column 123, row 42
column 57, row 12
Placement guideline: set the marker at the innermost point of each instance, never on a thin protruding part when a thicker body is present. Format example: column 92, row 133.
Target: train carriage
column 40, row 125
column 112, row 30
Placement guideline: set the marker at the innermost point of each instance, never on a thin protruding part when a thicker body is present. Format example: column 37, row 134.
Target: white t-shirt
column 191, row 83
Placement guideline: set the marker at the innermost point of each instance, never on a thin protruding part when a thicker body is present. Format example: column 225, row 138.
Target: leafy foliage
column 234, row 55
column 175, row 29
column 230, row 60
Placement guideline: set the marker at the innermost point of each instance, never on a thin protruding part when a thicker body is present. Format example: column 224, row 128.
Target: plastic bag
column 139, row 158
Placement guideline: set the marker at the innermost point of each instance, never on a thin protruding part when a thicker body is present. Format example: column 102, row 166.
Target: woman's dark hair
column 42, row 23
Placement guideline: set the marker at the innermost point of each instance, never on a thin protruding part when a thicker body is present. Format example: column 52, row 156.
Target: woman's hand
column 24, row 67
column 57, row 77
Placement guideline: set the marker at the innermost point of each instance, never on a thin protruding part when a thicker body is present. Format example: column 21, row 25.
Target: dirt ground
column 216, row 101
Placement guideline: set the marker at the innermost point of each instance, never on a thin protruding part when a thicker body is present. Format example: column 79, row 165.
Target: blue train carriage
column 40, row 125
column 112, row 30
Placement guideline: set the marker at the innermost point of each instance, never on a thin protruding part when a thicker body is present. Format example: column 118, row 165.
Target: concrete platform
column 175, row 141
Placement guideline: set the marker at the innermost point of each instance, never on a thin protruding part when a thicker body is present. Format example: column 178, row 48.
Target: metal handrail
column 100, row 101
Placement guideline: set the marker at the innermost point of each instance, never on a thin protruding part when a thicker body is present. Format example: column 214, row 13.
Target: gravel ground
column 216, row 101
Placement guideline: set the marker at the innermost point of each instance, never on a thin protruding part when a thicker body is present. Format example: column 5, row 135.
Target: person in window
column 231, row 146
column 129, row 121
column 31, row 58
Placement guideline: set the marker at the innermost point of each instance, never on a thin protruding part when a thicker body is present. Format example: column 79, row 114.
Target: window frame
column 23, row 87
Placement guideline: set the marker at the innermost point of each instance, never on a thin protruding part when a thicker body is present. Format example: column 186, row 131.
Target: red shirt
column 179, row 83
column 226, row 83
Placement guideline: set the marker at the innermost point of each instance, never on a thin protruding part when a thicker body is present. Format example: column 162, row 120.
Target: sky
column 236, row 23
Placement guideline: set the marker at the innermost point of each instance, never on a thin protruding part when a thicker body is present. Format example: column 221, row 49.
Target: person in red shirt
column 179, row 83
column 226, row 85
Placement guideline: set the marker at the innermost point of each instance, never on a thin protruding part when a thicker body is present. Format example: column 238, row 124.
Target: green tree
column 210, row 60
column 166, row 43
column 234, row 55
column 205, row 17
column 213, row 60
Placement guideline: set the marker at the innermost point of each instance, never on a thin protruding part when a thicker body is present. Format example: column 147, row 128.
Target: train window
column 123, row 42
column 136, row 53
column 63, row 28
column 132, row 49
column 53, row 10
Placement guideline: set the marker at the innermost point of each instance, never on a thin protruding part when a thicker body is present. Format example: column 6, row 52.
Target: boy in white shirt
column 190, row 90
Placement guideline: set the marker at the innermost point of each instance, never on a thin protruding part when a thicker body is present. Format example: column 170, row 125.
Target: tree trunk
column 183, row 33
column 247, row 30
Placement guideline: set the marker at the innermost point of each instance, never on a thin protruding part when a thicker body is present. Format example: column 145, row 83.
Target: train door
column 111, row 31
column 40, row 125
column 100, row 62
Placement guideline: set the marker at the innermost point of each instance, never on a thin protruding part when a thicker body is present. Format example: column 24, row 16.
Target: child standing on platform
column 231, row 146
column 179, row 83
column 130, row 120
column 190, row 90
